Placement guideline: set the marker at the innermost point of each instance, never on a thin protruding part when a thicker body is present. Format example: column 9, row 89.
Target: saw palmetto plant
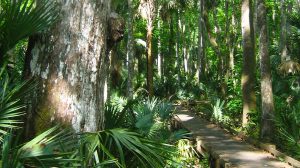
column 20, row 19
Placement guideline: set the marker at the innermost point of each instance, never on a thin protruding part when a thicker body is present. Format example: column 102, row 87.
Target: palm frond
column 51, row 148
column 20, row 19
column 116, row 118
column 11, row 104
column 148, row 153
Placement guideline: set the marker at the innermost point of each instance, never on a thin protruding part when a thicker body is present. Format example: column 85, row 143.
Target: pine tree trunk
column 266, row 81
column 248, row 71
column 130, row 51
column 70, row 64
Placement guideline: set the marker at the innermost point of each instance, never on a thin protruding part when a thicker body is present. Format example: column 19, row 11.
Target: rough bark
column 69, row 61
column 266, row 81
column 130, row 50
column 248, row 69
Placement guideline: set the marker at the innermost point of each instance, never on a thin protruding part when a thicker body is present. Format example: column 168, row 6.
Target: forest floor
column 230, row 151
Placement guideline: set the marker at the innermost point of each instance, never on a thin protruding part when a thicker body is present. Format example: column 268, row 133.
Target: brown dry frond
column 289, row 67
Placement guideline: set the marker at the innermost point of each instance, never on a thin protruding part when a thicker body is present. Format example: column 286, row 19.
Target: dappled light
column 150, row 83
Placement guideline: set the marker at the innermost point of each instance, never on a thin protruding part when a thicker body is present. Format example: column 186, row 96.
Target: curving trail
column 226, row 151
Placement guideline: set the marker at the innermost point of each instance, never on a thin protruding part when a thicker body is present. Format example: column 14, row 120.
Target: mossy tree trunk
column 69, row 61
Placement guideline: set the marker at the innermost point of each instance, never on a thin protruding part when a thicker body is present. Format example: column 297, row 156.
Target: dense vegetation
column 75, row 94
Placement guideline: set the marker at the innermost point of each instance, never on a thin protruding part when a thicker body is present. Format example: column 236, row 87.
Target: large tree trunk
column 69, row 62
column 266, row 81
column 130, row 50
column 248, row 71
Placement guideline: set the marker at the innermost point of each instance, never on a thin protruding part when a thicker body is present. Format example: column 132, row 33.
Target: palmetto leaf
column 121, row 148
column 11, row 106
column 143, row 151
column 118, row 117
column 51, row 148
column 20, row 19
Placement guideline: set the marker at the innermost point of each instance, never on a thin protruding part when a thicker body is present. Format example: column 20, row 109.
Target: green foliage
column 12, row 97
column 217, row 111
column 122, row 148
column 51, row 148
column 116, row 147
column 186, row 155
column 288, row 123
column 234, row 106
column 20, row 19
column 152, row 116
column 112, row 147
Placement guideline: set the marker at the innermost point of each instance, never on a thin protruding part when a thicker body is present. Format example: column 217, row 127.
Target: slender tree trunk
column 216, row 46
column 178, row 64
column 159, row 53
column 201, row 43
column 266, row 81
column 130, row 50
column 227, row 50
column 232, row 38
column 248, row 71
column 283, row 32
column 170, row 53
column 232, row 46
column 184, row 46
column 149, row 60
column 69, row 63
column 147, row 10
